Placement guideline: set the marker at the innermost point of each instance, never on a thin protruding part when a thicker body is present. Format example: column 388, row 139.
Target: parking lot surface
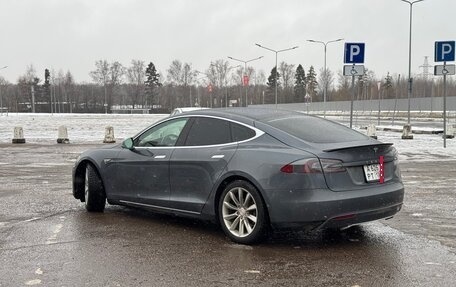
column 47, row 238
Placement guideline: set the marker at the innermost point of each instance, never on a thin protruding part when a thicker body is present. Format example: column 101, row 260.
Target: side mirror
column 128, row 144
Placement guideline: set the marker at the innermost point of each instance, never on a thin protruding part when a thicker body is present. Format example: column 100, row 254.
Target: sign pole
column 352, row 97
column 444, row 104
column 353, row 54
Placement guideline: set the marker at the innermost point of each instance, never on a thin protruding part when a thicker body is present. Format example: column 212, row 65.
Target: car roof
column 189, row 109
column 249, row 115
column 262, row 117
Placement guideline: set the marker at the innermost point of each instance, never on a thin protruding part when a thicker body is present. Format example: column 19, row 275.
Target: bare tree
column 188, row 78
column 68, row 90
column 287, row 72
column 217, row 73
column 174, row 75
column 182, row 76
column 325, row 80
column 343, row 92
column 101, row 76
column 110, row 76
column 136, row 75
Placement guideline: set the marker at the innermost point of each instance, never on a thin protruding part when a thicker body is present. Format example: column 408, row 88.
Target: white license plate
column 372, row 172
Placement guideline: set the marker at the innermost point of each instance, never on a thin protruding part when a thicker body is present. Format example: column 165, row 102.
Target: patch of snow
column 90, row 128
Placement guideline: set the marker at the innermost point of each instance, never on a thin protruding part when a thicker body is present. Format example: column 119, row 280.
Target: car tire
column 242, row 213
column 95, row 197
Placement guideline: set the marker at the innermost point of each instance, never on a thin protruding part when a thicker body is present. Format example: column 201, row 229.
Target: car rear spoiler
column 351, row 145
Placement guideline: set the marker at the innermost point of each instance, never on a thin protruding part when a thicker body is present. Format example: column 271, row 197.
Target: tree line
column 139, row 86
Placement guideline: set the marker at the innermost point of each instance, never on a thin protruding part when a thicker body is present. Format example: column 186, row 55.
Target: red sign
column 209, row 88
column 245, row 80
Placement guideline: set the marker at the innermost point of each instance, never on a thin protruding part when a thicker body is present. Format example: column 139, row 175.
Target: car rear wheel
column 95, row 198
column 242, row 213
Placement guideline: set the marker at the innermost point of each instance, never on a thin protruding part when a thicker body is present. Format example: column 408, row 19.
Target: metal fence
column 434, row 104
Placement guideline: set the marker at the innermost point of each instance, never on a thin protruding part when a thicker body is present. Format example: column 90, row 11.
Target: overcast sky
column 73, row 34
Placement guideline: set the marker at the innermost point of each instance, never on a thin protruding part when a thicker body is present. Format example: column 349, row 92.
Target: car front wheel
column 242, row 213
column 95, row 198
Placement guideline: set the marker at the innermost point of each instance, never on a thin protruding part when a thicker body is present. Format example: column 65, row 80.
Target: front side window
column 164, row 134
column 208, row 131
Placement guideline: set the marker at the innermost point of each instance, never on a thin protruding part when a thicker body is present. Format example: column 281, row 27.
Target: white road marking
column 55, row 232
column 252, row 271
column 39, row 271
column 33, row 282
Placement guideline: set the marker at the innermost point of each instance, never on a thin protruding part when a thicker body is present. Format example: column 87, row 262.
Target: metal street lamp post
column 325, row 90
column 276, row 52
column 245, row 71
column 410, row 58
column 1, row 95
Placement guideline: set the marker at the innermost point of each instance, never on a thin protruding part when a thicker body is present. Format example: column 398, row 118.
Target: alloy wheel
column 239, row 212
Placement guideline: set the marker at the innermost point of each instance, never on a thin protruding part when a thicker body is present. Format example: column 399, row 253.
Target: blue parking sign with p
column 354, row 53
column 444, row 51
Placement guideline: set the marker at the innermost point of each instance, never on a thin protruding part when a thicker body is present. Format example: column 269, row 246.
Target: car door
column 196, row 166
column 142, row 173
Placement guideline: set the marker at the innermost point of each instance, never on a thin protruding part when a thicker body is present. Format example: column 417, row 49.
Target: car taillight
column 313, row 165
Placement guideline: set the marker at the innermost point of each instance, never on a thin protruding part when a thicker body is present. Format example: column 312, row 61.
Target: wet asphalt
column 48, row 239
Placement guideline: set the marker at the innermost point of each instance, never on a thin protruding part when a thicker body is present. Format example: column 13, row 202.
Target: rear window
column 316, row 130
column 241, row 133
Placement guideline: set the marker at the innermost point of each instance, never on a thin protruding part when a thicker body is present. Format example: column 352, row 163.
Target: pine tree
column 300, row 85
column 152, row 83
column 387, row 85
column 270, row 92
column 312, row 83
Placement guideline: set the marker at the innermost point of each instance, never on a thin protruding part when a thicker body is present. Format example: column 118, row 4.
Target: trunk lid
column 359, row 162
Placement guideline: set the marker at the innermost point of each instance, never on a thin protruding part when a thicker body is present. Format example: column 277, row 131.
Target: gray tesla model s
column 247, row 169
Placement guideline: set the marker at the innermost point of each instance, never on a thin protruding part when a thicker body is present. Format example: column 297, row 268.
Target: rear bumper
column 360, row 217
column 324, row 208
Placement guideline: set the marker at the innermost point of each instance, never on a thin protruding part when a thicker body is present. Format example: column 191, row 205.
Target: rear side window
column 208, row 131
column 241, row 133
column 316, row 130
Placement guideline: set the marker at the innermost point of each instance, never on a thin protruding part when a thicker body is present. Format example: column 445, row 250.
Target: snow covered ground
column 90, row 128
column 82, row 128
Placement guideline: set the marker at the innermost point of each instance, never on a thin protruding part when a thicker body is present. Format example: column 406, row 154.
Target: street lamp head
column 411, row 2
column 4, row 67
column 295, row 47
column 258, row 45
column 310, row 40
column 198, row 72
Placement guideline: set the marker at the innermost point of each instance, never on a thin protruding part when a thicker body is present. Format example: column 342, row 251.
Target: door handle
column 160, row 156
column 218, row 156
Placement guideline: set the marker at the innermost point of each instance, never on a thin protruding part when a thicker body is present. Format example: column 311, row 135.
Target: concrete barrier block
column 18, row 136
column 109, row 135
column 407, row 132
column 62, row 137
column 372, row 131
column 450, row 132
